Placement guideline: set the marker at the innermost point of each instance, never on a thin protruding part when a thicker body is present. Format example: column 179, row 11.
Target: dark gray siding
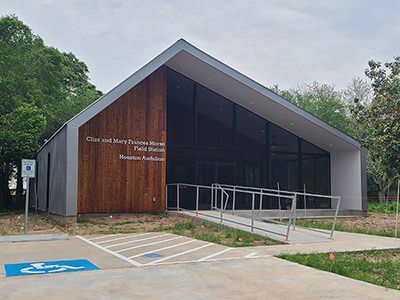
column 54, row 189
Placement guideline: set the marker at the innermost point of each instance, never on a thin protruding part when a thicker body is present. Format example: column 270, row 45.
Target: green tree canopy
column 40, row 88
column 323, row 101
column 380, row 122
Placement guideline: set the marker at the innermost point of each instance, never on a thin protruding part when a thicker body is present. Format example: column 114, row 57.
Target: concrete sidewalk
column 262, row 278
column 75, row 248
column 344, row 241
column 212, row 272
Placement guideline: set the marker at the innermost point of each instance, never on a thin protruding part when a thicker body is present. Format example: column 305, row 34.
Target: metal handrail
column 223, row 189
column 278, row 193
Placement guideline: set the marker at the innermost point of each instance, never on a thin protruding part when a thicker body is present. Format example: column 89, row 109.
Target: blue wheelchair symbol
column 152, row 255
column 50, row 267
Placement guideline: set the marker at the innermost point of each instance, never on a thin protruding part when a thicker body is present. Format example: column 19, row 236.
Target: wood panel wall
column 107, row 183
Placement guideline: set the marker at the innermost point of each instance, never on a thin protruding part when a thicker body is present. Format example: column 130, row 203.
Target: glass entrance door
column 212, row 172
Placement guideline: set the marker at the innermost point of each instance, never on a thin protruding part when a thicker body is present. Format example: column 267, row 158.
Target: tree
column 380, row 123
column 323, row 101
column 359, row 89
column 19, row 135
column 39, row 83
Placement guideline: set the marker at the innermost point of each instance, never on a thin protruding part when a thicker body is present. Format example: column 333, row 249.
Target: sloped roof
column 215, row 75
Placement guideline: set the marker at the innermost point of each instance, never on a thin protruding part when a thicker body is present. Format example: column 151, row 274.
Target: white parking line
column 212, row 259
column 149, row 244
column 131, row 261
column 124, row 237
column 164, row 248
column 251, row 255
column 103, row 236
column 215, row 254
column 179, row 254
column 135, row 241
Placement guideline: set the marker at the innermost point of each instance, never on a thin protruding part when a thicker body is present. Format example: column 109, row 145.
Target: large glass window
column 214, row 119
column 281, row 140
column 315, row 179
column 284, row 171
column 308, row 148
column 250, row 130
column 251, row 168
column 180, row 110
column 180, row 165
column 210, row 139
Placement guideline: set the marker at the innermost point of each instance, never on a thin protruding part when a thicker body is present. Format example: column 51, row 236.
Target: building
column 187, row 117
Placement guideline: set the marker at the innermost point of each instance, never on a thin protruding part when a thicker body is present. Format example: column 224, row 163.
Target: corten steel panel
column 105, row 182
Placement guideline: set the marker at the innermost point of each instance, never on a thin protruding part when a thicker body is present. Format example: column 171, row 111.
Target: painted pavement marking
column 164, row 248
column 179, row 254
column 135, row 241
column 48, row 267
column 215, row 254
column 251, row 255
column 148, row 244
column 123, row 238
column 128, row 260
column 211, row 259
column 104, row 236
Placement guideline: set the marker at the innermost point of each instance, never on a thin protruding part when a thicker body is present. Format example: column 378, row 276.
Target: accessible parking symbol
column 48, row 267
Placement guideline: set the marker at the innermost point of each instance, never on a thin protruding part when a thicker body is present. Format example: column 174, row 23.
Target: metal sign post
column 397, row 209
column 28, row 170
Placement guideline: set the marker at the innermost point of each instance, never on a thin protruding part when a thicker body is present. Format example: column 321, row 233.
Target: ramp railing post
column 261, row 204
column 177, row 197
column 279, row 203
column 294, row 206
column 212, row 196
column 197, row 200
column 234, row 200
column 305, row 201
column 292, row 213
column 335, row 218
column 252, row 212
column 222, row 206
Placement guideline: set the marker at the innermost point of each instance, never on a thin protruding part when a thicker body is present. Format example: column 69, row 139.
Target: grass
column 381, row 267
column 382, row 208
column 219, row 234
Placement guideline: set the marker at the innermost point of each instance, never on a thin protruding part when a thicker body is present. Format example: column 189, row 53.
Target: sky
column 288, row 43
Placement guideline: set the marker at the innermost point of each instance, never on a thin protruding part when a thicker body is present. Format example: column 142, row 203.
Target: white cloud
column 274, row 42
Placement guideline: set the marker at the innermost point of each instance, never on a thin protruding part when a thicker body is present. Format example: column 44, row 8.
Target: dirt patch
column 12, row 223
column 374, row 223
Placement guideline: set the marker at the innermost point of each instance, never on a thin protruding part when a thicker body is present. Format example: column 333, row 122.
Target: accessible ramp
column 298, row 235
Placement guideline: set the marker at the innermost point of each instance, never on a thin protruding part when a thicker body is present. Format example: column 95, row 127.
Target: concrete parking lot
column 160, row 265
column 155, row 248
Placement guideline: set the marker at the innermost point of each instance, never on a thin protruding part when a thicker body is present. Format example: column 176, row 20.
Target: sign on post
column 28, row 170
